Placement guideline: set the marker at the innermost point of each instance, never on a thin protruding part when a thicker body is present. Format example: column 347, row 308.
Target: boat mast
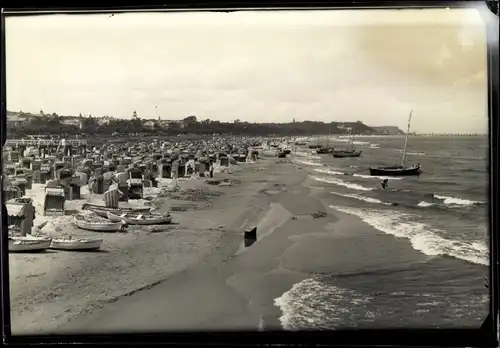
column 403, row 161
column 352, row 139
column 328, row 139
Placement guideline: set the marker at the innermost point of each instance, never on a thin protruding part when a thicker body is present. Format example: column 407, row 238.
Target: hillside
column 21, row 124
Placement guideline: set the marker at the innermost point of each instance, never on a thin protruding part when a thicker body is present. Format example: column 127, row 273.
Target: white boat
column 22, row 244
column 97, row 225
column 76, row 244
column 141, row 219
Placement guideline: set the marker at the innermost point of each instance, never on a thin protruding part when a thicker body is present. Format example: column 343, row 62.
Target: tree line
column 53, row 125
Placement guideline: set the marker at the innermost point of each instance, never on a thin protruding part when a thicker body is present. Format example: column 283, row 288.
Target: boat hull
column 27, row 245
column 395, row 171
column 148, row 219
column 93, row 207
column 324, row 151
column 98, row 226
column 76, row 245
column 346, row 154
column 103, row 212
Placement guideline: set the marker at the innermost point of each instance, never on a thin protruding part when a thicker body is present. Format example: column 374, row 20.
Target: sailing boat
column 315, row 146
column 403, row 169
column 326, row 149
column 350, row 152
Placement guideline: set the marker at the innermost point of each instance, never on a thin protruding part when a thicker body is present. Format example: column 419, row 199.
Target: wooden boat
column 324, row 150
column 346, row 153
column 349, row 152
column 97, row 225
column 141, row 219
column 30, row 244
column 101, row 211
column 403, row 169
column 88, row 206
column 396, row 171
column 76, row 244
column 300, row 143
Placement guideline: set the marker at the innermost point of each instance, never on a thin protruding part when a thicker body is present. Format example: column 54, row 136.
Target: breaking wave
column 453, row 201
column 308, row 163
column 422, row 237
column 425, row 204
column 339, row 182
column 312, row 304
column 364, row 176
column 361, row 198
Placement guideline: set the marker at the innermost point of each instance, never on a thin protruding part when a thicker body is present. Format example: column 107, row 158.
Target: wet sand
column 235, row 287
column 198, row 275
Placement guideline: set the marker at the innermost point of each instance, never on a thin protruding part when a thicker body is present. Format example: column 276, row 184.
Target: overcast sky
column 255, row 66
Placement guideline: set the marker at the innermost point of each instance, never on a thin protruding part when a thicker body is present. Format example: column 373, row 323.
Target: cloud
column 256, row 66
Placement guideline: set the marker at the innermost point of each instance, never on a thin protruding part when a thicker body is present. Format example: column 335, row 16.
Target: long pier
column 44, row 142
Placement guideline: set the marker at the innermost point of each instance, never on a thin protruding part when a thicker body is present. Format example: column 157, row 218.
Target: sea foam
column 422, row 237
column 339, row 182
column 308, row 163
column 453, row 201
column 309, row 303
column 361, row 198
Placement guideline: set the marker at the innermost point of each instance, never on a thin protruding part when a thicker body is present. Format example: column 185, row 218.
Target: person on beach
column 384, row 183
column 211, row 169
column 91, row 182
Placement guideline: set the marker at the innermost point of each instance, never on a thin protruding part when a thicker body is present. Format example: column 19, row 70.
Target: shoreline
column 228, row 286
column 240, row 291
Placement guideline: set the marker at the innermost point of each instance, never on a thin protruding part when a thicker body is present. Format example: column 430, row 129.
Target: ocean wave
column 413, row 153
column 346, row 140
column 329, row 171
column 311, row 304
column 467, row 158
column 361, row 198
column 422, row 237
column 453, row 201
column 424, row 204
column 342, row 183
column 308, row 163
column 366, row 176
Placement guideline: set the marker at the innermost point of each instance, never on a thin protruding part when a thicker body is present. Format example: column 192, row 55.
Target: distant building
column 101, row 121
column 169, row 124
column 15, row 119
column 150, row 124
column 72, row 121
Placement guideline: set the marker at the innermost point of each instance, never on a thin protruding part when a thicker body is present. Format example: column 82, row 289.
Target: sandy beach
column 146, row 279
column 65, row 285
